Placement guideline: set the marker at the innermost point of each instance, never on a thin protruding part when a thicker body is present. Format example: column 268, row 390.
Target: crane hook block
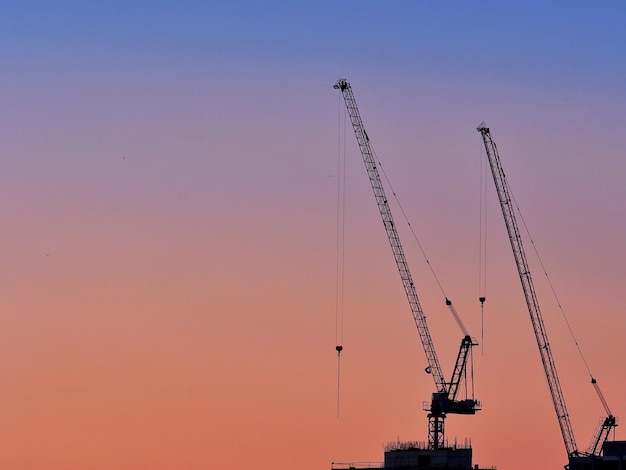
column 339, row 349
column 482, row 299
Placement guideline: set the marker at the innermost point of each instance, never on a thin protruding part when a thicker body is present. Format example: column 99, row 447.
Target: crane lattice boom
column 529, row 291
column 392, row 233
column 444, row 400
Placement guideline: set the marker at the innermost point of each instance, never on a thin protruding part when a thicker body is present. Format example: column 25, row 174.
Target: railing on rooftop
column 421, row 445
column 356, row 465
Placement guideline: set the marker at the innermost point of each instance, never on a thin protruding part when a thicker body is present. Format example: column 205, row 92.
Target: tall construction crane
column 541, row 336
column 444, row 400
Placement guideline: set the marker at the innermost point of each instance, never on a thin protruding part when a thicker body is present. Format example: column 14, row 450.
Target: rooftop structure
column 419, row 456
column 613, row 458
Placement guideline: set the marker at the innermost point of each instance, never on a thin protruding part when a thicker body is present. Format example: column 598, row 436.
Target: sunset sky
column 168, row 173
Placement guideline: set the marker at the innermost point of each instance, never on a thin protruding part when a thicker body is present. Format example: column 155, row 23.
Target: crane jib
column 529, row 291
column 443, row 401
column 392, row 234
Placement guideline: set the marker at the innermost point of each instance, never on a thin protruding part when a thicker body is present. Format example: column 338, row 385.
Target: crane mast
column 529, row 291
column 444, row 400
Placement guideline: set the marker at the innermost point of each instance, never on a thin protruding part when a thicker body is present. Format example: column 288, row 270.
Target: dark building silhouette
column 418, row 456
column 613, row 458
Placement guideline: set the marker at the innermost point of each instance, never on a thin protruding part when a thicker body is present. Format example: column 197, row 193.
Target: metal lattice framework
column 392, row 233
column 529, row 291
column 444, row 400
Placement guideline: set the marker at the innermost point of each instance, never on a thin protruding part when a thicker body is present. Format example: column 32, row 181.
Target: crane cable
column 341, row 211
column 448, row 302
column 482, row 247
column 594, row 382
column 406, row 219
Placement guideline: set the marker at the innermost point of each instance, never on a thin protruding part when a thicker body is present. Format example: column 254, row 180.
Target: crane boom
column 444, row 399
column 392, row 234
column 529, row 291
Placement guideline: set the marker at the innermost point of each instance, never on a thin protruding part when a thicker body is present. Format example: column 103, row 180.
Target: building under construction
column 419, row 456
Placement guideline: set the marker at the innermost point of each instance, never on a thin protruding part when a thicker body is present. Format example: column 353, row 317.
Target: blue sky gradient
column 168, row 173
